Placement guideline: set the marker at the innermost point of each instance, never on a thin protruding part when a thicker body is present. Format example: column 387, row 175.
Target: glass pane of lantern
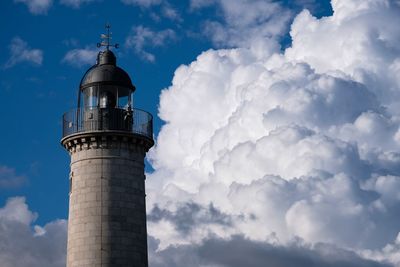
column 123, row 102
column 90, row 97
column 124, row 95
column 107, row 99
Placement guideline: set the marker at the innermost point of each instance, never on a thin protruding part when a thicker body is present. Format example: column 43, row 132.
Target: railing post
column 134, row 120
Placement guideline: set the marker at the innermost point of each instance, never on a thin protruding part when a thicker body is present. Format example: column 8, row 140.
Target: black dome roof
column 106, row 72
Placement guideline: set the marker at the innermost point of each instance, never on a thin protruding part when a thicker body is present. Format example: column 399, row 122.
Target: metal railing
column 107, row 119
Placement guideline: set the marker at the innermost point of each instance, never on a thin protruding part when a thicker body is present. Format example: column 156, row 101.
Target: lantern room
column 105, row 100
column 105, row 85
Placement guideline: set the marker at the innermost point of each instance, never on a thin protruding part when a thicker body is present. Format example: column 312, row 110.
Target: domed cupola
column 106, row 72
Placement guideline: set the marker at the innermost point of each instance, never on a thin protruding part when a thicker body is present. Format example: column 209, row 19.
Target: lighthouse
column 107, row 139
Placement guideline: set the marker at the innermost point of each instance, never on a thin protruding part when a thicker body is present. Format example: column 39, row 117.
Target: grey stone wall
column 107, row 214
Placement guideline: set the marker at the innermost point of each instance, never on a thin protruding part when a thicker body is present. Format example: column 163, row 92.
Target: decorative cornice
column 106, row 139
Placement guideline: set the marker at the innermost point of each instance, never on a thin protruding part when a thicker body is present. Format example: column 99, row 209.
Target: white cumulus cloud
column 21, row 52
column 9, row 179
column 166, row 9
column 37, row 7
column 75, row 3
column 142, row 38
column 245, row 23
column 301, row 144
column 365, row 47
column 81, row 56
column 142, row 3
column 198, row 4
column 22, row 246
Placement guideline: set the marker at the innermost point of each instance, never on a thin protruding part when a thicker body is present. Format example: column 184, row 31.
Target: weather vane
column 107, row 39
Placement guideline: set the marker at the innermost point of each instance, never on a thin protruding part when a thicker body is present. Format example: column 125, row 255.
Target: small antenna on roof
column 107, row 39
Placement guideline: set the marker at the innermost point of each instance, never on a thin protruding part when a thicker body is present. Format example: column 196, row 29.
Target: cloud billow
column 244, row 23
column 9, row 179
column 21, row 52
column 239, row 251
column 37, row 7
column 189, row 215
column 75, row 3
column 301, row 144
column 79, row 57
column 23, row 246
column 140, row 38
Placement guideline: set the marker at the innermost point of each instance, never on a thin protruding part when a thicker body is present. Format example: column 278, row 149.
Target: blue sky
column 277, row 126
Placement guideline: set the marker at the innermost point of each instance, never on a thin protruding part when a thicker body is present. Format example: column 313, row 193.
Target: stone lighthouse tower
column 107, row 140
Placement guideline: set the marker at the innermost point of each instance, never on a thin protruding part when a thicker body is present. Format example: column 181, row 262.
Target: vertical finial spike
column 108, row 26
column 107, row 38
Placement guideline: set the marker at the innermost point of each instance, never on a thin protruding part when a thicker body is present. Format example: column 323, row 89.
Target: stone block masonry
column 107, row 212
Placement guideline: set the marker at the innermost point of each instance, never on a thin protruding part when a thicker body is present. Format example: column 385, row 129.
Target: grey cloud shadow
column 239, row 252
